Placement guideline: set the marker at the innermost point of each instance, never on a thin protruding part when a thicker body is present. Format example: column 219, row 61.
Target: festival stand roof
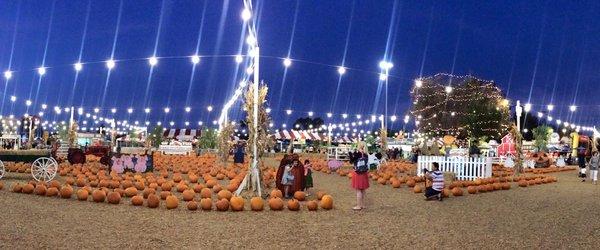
column 181, row 133
column 297, row 135
column 507, row 146
column 346, row 139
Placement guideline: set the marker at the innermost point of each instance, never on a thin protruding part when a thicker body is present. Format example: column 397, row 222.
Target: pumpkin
column 312, row 205
column 206, row 193
column 164, row 194
column 222, row 205
column 276, row 204
column 299, row 195
column 82, row 194
column 481, row 189
column 153, row 201
column 206, row 204
column 80, row 182
column 320, row 194
column 55, row 184
column 505, row 186
column 51, row 192
column 188, row 195
column 396, row 183
column 98, row 195
column 120, row 191
column 17, row 188
column 217, row 188
column 166, row 186
column 172, row 202
column 232, row 187
column 148, row 191
column 131, row 191
column 327, row 202
column 211, row 183
column 276, row 193
column 417, row 189
column 198, row 188
column 293, row 205
column 257, row 204
column 192, row 206
column 411, row 183
column 113, row 198
column 237, row 203
column 66, row 192
column 181, row 187
column 137, row 200
column 28, row 188
column 523, row 183
column 457, row 191
column 472, row 190
column 446, row 192
column 497, row 186
column 40, row 190
column 224, row 194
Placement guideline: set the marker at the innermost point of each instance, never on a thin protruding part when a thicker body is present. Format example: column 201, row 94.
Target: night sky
column 551, row 47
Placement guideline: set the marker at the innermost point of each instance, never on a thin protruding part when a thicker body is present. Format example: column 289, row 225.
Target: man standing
column 437, row 178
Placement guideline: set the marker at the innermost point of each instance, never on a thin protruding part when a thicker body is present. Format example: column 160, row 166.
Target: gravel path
column 558, row 215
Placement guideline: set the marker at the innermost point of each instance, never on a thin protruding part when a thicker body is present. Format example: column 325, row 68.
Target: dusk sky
column 551, row 47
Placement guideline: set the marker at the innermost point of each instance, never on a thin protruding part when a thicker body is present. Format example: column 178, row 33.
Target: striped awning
column 181, row 134
column 297, row 135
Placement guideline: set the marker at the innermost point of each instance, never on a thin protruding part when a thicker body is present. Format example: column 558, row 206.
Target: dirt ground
column 558, row 215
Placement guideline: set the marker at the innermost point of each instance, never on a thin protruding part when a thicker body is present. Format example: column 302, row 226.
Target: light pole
column 519, row 112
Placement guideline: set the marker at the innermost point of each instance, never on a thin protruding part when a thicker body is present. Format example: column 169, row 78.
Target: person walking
column 594, row 164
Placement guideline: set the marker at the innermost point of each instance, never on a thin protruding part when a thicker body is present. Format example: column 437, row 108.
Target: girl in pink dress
column 117, row 165
column 128, row 164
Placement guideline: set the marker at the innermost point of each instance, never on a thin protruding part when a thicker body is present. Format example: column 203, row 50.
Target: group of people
column 135, row 163
column 294, row 176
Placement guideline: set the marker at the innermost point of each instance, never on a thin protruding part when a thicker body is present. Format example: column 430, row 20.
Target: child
column 594, row 164
column 308, row 181
column 287, row 180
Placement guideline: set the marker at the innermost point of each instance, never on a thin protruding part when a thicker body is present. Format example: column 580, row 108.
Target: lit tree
column 462, row 106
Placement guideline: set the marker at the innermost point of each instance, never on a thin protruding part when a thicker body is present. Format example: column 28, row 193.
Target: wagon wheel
column 44, row 169
column 2, row 171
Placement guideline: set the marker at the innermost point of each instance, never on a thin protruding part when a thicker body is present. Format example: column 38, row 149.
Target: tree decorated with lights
column 462, row 106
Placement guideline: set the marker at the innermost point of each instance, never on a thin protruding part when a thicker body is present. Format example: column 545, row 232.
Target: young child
column 287, row 180
column 308, row 180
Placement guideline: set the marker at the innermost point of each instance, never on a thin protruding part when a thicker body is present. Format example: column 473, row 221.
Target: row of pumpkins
column 224, row 202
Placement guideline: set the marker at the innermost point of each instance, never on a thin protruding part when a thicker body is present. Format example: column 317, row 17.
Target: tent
column 182, row 134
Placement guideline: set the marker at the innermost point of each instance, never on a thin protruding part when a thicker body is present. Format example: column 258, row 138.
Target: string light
column 41, row 71
column 246, row 15
column 287, row 62
column 239, row 59
column 209, row 108
column 572, row 108
column 8, row 74
column 153, row 61
column 550, row 107
column 188, row 109
column 418, row 83
column 195, row 59
column 341, row 70
column 110, row 64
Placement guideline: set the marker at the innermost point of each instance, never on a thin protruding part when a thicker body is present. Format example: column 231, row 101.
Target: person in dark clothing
column 581, row 162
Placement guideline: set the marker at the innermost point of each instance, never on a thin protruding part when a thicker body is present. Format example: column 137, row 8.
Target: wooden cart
column 43, row 166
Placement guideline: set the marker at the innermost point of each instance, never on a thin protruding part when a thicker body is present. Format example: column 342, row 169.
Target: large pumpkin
column 153, row 201
column 505, row 186
column 172, row 202
column 299, row 195
column 257, row 204
column 276, row 204
column 417, row 189
column 131, row 191
column 237, row 203
column 164, row 194
column 137, row 200
column 98, row 195
column 82, row 194
column 293, row 205
column 396, row 183
column 472, row 190
column 222, row 205
column 276, row 193
column 114, row 198
column 320, row 195
column 148, row 191
column 40, row 190
column 206, row 193
column 51, row 192
column 411, row 183
column 523, row 183
column 206, row 204
column 327, row 202
column 17, row 188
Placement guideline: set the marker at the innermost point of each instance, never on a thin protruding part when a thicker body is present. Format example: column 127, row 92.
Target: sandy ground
column 558, row 215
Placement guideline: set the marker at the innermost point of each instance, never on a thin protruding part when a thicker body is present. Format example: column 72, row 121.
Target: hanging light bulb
column 246, row 15
column 153, row 61
column 341, row 70
column 287, row 62
column 418, row 83
column 110, row 64
column 195, row 59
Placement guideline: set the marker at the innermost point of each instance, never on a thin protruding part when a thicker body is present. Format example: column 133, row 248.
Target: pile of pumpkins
column 173, row 181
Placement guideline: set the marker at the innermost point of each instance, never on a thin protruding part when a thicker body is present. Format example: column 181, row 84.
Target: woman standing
column 594, row 163
column 360, row 178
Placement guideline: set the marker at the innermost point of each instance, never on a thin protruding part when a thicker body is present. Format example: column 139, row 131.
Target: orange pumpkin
column 172, row 202
column 17, row 188
column 237, row 203
column 137, row 200
column 276, row 193
column 457, row 191
column 206, row 204
column 396, row 183
column 153, row 201
column 82, row 194
column 257, row 204
column 293, row 205
column 40, row 190
column 320, row 195
column 312, row 205
column 327, row 202
column 472, row 190
column 188, row 195
column 28, row 188
column 66, row 192
column 148, row 191
column 192, row 206
column 523, row 183
column 417, row 189
column 131, row 191
column 446, row 192
column 206, row 193
column 97, row 195
column 505, row 186
column 222, row 205
column 114, row 198
column 299, row 195
column 51, row 192
column 276, row 204
column 411, row 183
column 224, row 194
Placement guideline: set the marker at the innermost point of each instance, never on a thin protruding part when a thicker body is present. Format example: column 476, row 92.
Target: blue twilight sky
column 551, row 47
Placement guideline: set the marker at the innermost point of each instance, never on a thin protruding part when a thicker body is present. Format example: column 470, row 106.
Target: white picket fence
column 464, row 168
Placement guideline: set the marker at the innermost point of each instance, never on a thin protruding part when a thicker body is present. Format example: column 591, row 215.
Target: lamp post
column 519, row 112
